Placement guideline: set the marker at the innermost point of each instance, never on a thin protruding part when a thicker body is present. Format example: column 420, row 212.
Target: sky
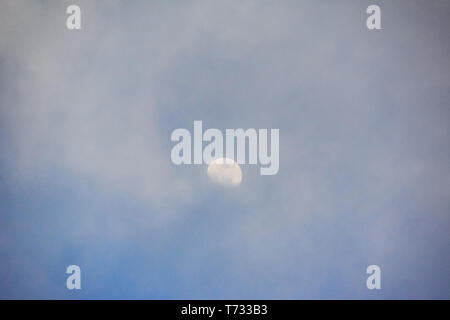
column 86, row 176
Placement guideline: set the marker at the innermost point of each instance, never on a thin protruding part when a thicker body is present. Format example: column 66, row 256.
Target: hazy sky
column 85, row 170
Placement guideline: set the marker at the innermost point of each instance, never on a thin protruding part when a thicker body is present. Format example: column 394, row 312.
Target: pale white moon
column 225, row 172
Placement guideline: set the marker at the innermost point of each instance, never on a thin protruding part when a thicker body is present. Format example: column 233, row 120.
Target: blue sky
column 85, row 170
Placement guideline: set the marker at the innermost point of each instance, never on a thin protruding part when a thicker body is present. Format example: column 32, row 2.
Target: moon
column 225, row 172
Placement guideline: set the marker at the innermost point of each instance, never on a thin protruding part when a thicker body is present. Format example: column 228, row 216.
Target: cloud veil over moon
column 86, row 176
